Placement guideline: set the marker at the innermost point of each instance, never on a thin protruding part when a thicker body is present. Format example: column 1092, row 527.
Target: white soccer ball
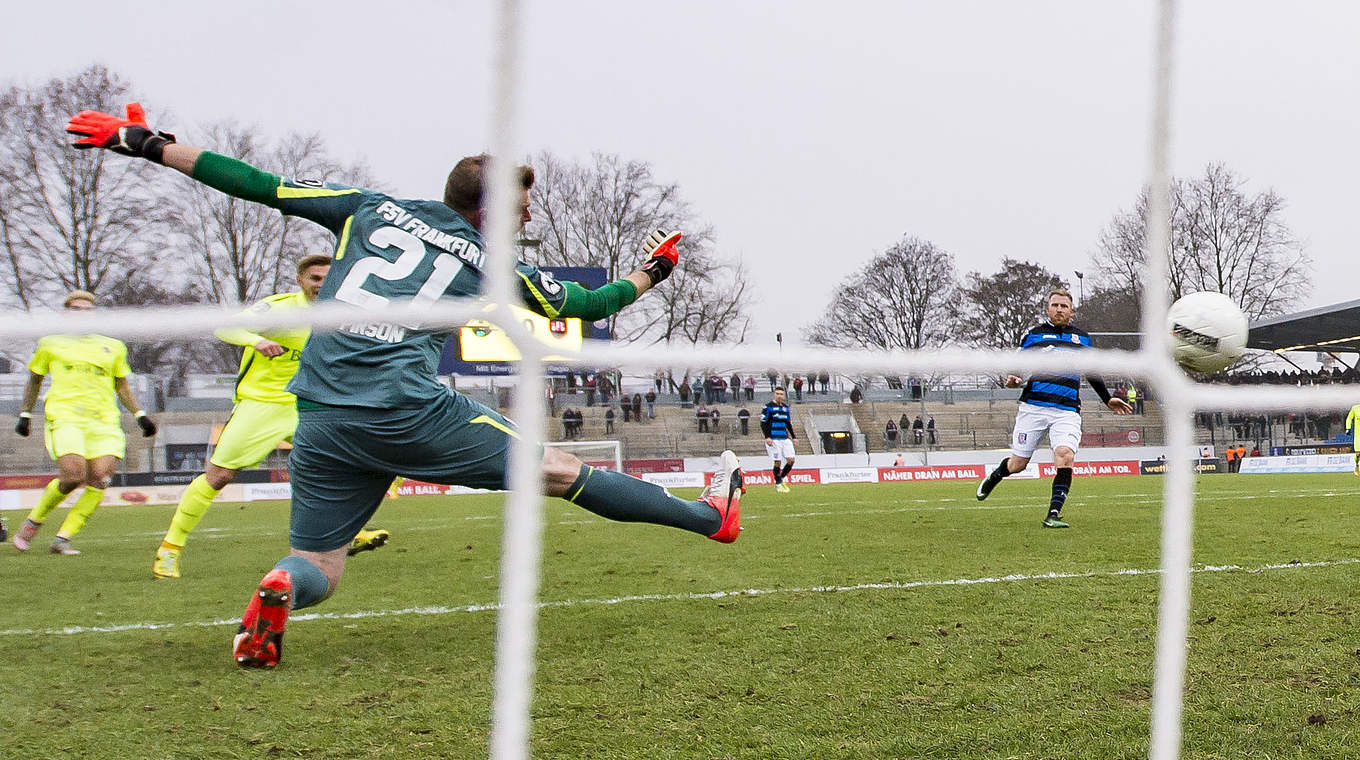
column 1208, row 331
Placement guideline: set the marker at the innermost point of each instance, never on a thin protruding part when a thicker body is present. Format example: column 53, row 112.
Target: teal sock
column 625, row 498
column 309, row 583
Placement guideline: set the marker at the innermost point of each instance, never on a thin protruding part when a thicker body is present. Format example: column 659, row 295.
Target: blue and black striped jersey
column 1059, row 391
column 776, row 422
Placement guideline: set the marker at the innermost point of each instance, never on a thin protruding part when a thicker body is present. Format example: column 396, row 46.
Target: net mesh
column 516, row 626
column 606, row 455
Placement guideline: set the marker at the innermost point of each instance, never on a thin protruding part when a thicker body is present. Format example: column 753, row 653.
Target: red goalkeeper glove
column 130, row 136
column 661, row 255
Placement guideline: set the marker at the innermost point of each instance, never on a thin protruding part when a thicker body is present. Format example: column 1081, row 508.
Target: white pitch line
column 563, row 603
column 768, row 511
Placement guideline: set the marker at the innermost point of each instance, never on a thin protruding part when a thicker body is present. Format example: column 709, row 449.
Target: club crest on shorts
column 1020, row 437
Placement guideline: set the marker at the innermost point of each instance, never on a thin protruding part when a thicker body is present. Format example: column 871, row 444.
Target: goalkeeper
column 370, row 406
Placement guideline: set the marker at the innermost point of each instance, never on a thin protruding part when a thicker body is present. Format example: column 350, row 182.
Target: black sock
column 778, row 478
column 1062, row 482
column 788, row 467
column 1001, row 471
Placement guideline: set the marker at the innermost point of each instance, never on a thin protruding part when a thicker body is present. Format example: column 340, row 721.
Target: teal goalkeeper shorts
column 344, row 458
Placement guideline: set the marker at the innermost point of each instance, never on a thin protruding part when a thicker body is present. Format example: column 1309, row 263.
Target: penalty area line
column 712, row 595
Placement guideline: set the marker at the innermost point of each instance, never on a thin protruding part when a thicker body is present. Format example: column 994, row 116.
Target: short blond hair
column 312, row 260
column 1060, row 292
column 78, row 295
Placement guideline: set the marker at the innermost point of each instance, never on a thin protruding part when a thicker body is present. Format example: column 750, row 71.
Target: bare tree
column 70, row 219
column 703, row 301
column 1111, row 310
column 1000, row 307
column 595, row 214
column 171, row 358
column 1223, row 239
column 902, row 299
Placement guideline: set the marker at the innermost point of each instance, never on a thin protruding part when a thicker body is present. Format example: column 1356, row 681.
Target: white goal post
column 606, row 454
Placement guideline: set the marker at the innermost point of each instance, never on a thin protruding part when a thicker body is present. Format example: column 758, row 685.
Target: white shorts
column 1031, row 422
column 780, row 449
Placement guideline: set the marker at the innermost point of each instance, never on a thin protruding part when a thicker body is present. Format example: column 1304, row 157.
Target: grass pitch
column 893, row 621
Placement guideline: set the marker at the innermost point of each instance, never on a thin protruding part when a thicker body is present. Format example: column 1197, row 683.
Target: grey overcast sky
column 811, row 135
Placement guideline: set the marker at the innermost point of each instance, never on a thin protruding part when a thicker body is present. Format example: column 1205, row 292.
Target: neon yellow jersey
column 260, row 377
column 1352, row 419
column 83, row 369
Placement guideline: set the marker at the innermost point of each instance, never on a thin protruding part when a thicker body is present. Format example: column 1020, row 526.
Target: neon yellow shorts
column 254, row 430
column 80, row 435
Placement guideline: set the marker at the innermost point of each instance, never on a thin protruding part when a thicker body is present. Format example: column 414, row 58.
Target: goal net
column 518, row 592
column 603, row 454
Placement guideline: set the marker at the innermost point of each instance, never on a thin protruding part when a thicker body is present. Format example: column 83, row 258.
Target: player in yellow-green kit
column 1353, row 426
column 265, row 413
column 83, row 430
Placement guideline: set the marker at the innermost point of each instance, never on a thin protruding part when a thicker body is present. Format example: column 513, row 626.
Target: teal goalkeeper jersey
column 390, row 249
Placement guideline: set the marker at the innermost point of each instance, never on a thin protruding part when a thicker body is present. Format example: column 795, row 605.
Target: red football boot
column 259, row 641
column 724, row 494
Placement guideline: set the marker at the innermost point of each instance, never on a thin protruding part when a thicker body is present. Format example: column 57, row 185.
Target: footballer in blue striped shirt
column 1049, row 404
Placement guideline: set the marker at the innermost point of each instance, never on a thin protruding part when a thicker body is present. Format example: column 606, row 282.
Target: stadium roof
column 1334, row 328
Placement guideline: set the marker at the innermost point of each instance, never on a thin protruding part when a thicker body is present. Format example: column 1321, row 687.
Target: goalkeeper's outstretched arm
column 131, row 136
column 607, row 300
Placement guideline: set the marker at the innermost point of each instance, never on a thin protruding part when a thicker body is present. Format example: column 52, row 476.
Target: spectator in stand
column 736, row 387
column 566, row 423
column 637, row 407
column 930, row 430
column 608, row 420
column 701, row 416
column 590, row 390
column 571, row 381
column 811, row 382
column 1255, row 451
column 825, row 379
column 900, row 461
column 707, row 387
column 773, row 377
column 856, row 395
column 890, row 432
column 714, row 416
column 744, row 419
column 750, row 387
column 798, row 388
column 627, row 410
column 651, row 404
column 658, row 379
column 722, row 389
column 918, row 430
column 605, row 387
column 684, row 392
column 903, row 424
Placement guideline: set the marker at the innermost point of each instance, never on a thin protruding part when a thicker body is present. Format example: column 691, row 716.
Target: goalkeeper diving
column 370, row 406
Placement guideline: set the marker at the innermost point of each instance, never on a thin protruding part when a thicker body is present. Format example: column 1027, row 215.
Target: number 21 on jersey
column 413, row 252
